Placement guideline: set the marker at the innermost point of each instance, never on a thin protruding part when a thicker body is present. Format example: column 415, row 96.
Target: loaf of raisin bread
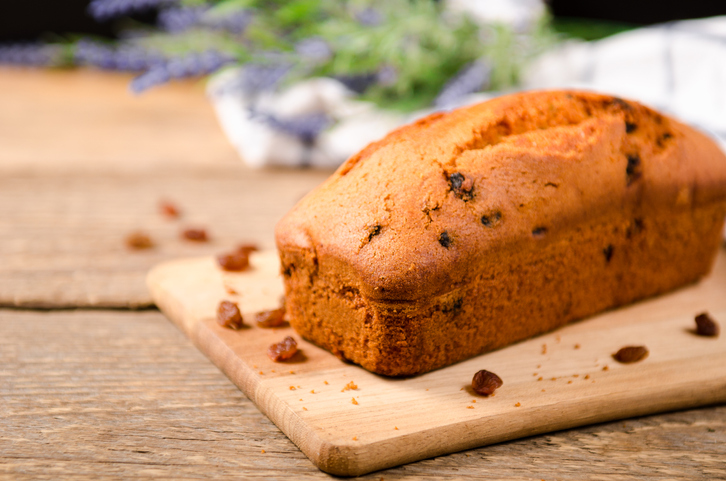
column 467, row 231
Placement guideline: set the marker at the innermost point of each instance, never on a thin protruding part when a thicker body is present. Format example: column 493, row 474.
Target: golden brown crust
column 454, row 208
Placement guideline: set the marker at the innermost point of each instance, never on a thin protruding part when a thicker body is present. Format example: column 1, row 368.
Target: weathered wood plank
column 57, row 120
column 63, row 235
column 88, row 394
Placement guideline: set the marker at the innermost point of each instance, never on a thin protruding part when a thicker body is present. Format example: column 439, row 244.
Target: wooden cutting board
column 556, row 381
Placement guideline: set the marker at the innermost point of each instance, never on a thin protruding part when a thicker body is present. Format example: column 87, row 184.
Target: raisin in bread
column 467, row 231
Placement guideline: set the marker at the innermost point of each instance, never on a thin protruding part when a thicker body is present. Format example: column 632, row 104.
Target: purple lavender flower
column 179, row 19
column 125, row 57
column 32, row 54
column 192, row 65
column 234, row 22
column 470, row 79
column 369, row 17
column 314, row 49
column 305, row 127
column 106, row 9
column 358, row 83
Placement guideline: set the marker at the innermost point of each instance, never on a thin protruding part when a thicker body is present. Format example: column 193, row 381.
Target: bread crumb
column 301, row 399
column 292, row 372
column 395, row 427
column 577, row 346
column 575, row 375
column 543, row 390
column 427, row 389
column 540, row 378
column 304, row 408
column 517, row 405
column 353, row 401
column 569, row 382
column 272, row 370
column 470, row 407
column 312, row 391
column 557, row 338
column 605, row 368
column 350, row 386
column 539, row 366
column 553, row 379
column 325, row 382
column 263, row 451
column 535, row 373
column 587, row 376
column 461, row 389
column 292, row 388
column 254, row 366
column 473, row 400
column 355, row 438
column 299, row 387
column 544, row 348
column 261, row 372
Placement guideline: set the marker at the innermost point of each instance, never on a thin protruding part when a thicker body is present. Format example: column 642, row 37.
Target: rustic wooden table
column 96, row 383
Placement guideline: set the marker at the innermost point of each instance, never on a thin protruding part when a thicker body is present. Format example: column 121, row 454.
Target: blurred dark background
column 27, row 20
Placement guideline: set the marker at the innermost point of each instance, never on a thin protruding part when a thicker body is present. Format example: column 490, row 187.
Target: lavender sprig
column 106, row 9
column 31, row 54
column 179, row 19
column 125, row 57
column 470, row 79
column 304, row 127
column 192, row 65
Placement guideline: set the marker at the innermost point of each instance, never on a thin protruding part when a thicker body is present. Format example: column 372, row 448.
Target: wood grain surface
column 63, row 235
column 124, row 395
column 555, row 381
column 116, row 394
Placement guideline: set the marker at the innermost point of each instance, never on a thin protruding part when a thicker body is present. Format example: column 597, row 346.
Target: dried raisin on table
column 272, row 318
column 196, row 235
column 629, row 354
column 706, row 326
column 228, row 315
column 169, row 210
column 283, row 350
column 234, row 261
column 139, row 240
column 485, row 383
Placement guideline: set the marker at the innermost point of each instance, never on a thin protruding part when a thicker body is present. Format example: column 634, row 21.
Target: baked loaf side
column 468, row 231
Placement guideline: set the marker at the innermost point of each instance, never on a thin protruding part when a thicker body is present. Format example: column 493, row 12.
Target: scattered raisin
column 608, row 252
column 492, row 219
column 630, row 127
column 196, row 235
column 445, row 239
column 539, row 231
column 462, row 187
column 485, row 382
column 228, row 315
column 632, row 171
column 234, row 261
column 247, row 248
column 706, row 326
column 138, row 241
column 273, row 318
column 283, row 350
column 629, row 354
column 169, row 210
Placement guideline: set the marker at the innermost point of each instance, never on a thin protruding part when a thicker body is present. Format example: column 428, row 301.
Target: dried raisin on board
column 169, row 210
column 196, row 235
column 272, row 318
column 234, row 261
column 228, row 315
column 247, row 248
column 630, row 354
column 283, row 350
column 138, row 241
column 485, row 383
column 706, row 326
